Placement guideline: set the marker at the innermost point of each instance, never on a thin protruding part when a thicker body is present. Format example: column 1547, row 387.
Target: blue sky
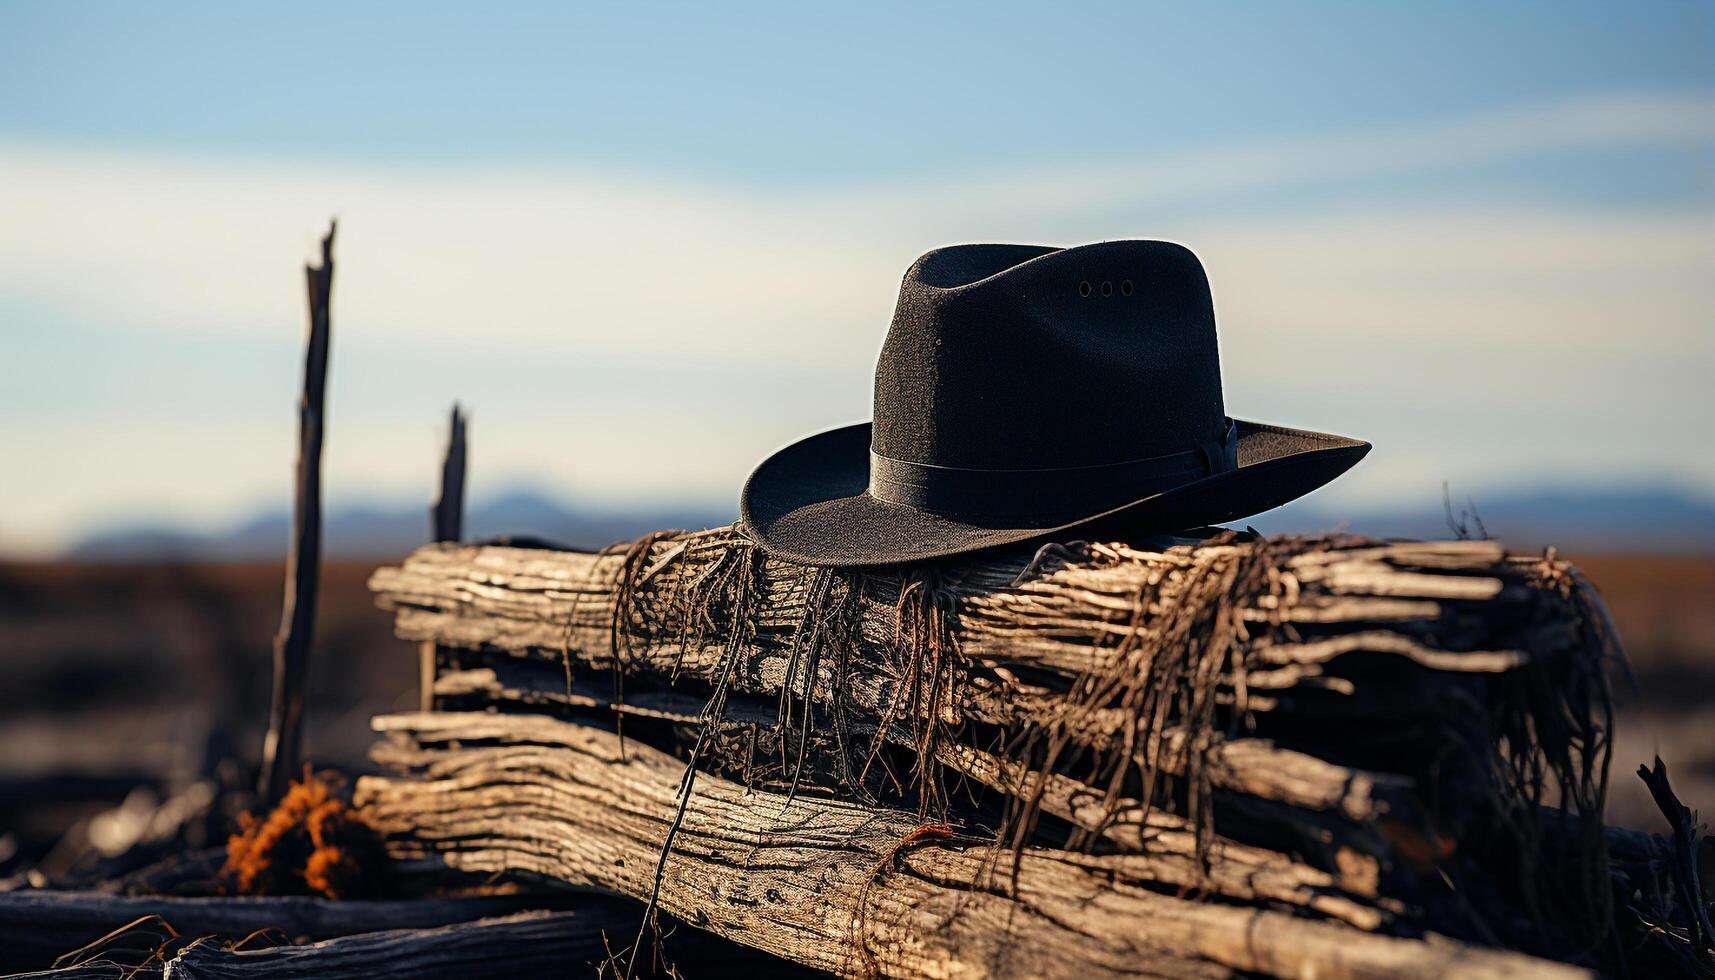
column 806, row 93
column 648, row 243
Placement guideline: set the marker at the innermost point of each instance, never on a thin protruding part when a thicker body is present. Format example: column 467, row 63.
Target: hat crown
column 1027, row 357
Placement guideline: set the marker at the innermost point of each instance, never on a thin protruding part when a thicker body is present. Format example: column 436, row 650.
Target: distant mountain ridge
column 1652, row 520
column 1662, row 520
column 376, row 531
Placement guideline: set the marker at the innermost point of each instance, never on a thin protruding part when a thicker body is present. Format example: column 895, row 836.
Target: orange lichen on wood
column 313, row 843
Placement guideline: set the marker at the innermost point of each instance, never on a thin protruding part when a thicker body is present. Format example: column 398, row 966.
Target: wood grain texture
column 526, row 944
column 514, row 935
column 1326, row 717
column 830, row 884
column 1051, row 617
column 38, row 926
column 1348, row 890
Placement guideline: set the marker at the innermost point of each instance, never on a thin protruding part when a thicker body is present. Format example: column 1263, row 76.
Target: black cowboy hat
column 1025, row 390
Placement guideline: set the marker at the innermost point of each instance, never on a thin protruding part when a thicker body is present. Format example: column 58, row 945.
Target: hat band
column 1068, row 490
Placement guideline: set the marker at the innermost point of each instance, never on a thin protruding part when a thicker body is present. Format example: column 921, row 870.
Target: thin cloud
column 1456, row 329
column 1651, row 120
column 185, row 243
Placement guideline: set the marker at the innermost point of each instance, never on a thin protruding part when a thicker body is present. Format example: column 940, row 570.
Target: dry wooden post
column 446, row 523
column 283, row 747
column 1685, row 875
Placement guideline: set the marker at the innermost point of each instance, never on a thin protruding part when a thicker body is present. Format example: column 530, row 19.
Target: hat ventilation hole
column 1084, row 288
column 1107, row 289
column 1125, row 288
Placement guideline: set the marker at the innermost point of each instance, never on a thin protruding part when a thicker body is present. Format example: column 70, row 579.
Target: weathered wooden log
column 525, row 944
column 503, row 935
column 1016, row 610
column 1017, row 615
column 522, row 944
column 38, row 926
column 93, row 970
column 1247, row 765
column 1237, row 871
column 1327, row 725
column 833, row 885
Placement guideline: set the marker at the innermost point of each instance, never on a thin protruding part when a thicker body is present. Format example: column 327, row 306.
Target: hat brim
column 809, row 502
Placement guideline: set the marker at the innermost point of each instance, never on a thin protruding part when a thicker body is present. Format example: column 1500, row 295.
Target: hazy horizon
column 1607, row 520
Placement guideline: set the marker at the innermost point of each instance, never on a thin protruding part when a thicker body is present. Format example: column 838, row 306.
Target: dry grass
column 313, row 843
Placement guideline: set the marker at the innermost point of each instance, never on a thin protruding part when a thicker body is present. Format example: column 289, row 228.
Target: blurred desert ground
column 146, row 674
